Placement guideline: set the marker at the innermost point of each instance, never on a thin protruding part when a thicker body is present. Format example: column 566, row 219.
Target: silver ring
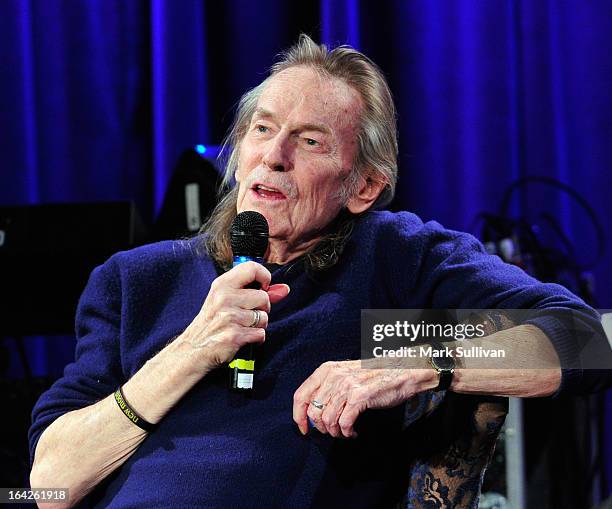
column 317, row 404
column 256, row 317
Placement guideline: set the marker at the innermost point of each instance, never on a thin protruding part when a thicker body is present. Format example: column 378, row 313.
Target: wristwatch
column 444, row 364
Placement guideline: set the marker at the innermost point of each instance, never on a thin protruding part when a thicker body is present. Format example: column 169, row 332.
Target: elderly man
column 313, row 149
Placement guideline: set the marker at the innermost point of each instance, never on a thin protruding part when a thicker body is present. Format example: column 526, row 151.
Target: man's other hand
column 345, row 390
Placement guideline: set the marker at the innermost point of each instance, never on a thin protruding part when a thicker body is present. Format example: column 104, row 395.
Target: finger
column 321, row 416
column 245, row 298
column 245, row 273
column 278, row 292
column 248, row 317
column 251, row 335
column 334, row 392
column 300, row 411
column 332, row 412
column 316, row 416
column 304, row 395
column 329, row 387
column 348, row 417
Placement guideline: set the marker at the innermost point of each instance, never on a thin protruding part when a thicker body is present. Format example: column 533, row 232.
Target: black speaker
column 46, row 255
column 190, row 197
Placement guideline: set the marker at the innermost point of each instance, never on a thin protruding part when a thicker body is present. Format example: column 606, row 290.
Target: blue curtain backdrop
column 99, row 97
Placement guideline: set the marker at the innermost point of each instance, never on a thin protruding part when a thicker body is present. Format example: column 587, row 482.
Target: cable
column 522, row 182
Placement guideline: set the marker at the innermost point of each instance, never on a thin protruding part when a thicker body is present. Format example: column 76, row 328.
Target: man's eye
column 311, row 142
column 261, row 129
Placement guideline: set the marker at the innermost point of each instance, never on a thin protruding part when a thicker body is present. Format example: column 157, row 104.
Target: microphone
column 249, row 240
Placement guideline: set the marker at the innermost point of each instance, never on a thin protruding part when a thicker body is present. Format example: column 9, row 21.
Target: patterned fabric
column 458, row 443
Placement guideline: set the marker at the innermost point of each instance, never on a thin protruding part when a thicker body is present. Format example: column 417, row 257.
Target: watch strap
column 445, row 373
column 446, row 378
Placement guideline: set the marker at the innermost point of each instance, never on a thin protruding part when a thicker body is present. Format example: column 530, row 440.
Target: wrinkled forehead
column 312, row 96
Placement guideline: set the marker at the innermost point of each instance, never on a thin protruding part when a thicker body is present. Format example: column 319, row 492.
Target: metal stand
column 515, row 455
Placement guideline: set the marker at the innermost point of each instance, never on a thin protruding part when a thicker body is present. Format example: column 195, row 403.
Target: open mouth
column 268, row 193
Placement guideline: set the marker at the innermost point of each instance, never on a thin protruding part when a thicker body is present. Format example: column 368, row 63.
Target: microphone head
column 249, row 234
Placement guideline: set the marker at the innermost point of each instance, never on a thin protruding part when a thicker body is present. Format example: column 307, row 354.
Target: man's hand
column 213, row 337
column 346, row 390
column 223, row 325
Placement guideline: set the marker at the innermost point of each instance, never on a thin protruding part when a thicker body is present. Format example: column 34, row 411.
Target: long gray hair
column 376, row 156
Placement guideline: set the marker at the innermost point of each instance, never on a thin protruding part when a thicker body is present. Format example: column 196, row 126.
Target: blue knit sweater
column 220, row 449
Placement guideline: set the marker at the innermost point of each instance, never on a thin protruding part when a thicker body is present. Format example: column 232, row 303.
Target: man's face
column 298, row 148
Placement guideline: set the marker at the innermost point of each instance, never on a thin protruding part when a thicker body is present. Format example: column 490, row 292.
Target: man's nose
column 278, row 154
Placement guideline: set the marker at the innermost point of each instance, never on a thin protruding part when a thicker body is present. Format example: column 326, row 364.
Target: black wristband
column 131, row 414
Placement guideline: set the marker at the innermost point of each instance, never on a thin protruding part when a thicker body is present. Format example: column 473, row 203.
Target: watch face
column 443, row 362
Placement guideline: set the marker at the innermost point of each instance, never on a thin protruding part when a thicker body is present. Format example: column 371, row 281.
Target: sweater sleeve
column 457, row 273
column 96, row 371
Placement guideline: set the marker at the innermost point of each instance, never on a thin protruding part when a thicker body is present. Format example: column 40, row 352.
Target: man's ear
column 237, row 176
column 367, row 193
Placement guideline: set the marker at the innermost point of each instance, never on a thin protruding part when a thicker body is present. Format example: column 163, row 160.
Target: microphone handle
column 242, row 367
